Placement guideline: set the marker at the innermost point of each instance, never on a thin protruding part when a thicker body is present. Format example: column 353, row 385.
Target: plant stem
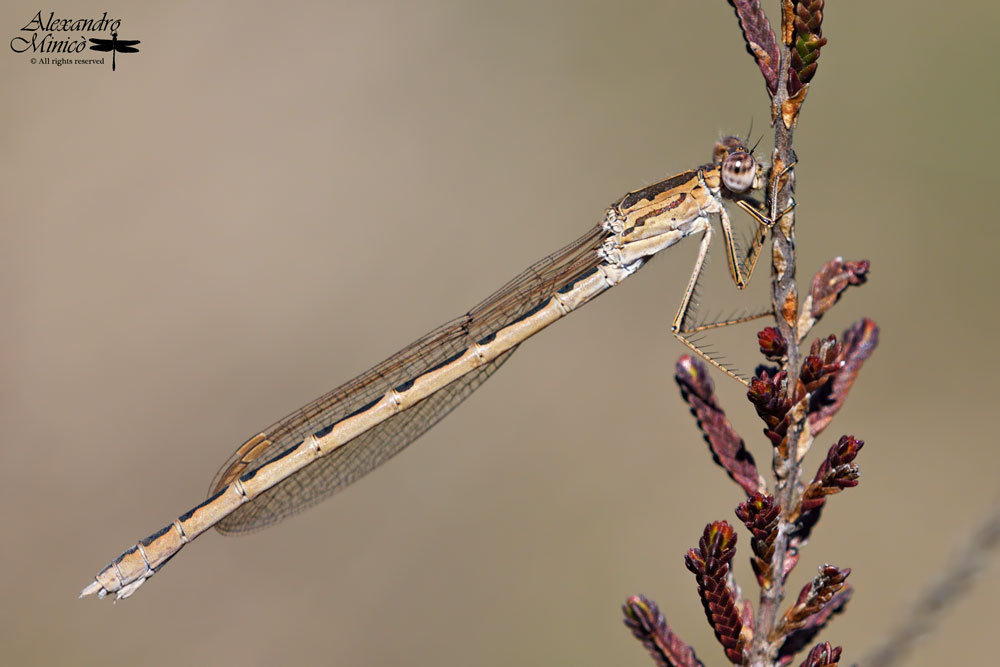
column 784, row 301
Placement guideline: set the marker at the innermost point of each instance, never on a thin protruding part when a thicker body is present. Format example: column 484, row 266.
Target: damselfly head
column 739, row 171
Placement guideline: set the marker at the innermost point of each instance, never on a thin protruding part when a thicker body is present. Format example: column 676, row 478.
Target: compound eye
column 738, row 171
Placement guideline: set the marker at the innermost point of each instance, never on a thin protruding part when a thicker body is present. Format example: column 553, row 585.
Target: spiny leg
column 775, row 183
column 740, row 272
column 756, row 245
column 707, row 326
column 678, row 327
column 765, row 218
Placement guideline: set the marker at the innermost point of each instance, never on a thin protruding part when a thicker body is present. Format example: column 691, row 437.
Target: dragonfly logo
column 114, row 45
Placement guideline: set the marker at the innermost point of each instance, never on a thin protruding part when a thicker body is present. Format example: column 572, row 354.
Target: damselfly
column 342, row 436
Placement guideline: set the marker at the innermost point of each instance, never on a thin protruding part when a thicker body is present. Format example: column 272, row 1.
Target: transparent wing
column 354, row 459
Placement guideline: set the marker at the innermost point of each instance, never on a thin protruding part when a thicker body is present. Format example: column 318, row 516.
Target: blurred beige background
column 268, row 199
